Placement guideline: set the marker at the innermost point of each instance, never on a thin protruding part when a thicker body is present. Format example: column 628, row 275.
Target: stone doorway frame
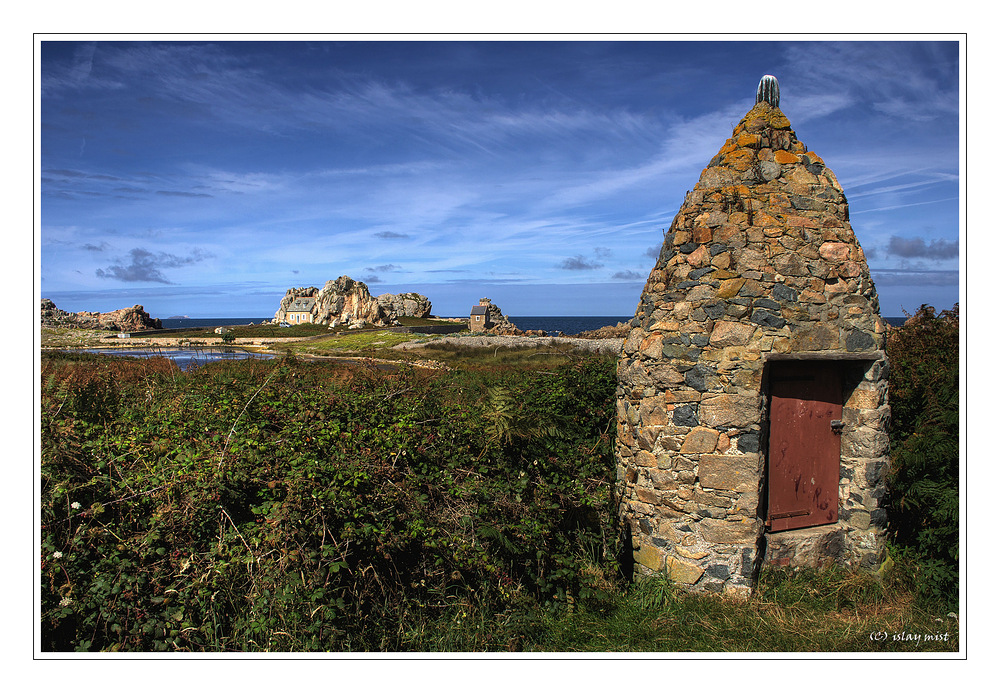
column 855, row 540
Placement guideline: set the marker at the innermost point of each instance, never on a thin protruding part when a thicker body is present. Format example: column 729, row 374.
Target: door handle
column 837, row 425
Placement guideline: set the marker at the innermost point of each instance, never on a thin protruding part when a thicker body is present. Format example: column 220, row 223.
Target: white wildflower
column 57, row 554
column 74, row 505
column 66, row 601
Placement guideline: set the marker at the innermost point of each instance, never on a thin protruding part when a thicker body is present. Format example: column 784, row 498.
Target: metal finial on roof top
column 767, row 90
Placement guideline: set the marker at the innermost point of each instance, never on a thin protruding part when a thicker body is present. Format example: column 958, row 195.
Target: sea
column 567, row 324
column 185, row 357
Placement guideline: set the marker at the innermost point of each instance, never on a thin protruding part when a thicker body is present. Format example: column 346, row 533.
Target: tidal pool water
column 185, row 358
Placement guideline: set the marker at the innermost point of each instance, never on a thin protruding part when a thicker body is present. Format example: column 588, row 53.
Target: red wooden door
column 804, row 449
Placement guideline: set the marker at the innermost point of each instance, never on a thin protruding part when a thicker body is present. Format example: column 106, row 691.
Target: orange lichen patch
column 815, row 158
column 739, row 160
column 731, row 287
column 784, row 157
column 765, row 219
column 748, row 139
column 777, row 120
column 740, row 190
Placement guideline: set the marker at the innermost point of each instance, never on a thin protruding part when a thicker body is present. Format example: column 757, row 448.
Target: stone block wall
column 759, row 264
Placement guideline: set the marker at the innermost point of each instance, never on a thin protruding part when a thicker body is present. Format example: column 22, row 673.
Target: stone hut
column 479, row 317
column 752, row 414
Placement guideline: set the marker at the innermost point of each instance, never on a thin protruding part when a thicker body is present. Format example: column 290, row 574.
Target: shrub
column 285, row 505
column 924, row 394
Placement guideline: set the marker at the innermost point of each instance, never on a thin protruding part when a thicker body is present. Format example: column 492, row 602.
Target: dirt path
column 608, row 346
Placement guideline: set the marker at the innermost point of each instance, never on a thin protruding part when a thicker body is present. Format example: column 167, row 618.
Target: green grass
column 268, row 330
column 421, row 322
column 459, row 355
column 810, row 611
column 378, row 344
column 369, row 343
column 69, row 337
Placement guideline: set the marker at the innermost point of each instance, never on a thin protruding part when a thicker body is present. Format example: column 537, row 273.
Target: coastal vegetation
column 293, row 505
column 69, row 336
column 925, row 396
column 370, row 343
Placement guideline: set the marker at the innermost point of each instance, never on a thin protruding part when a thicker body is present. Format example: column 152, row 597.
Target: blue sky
column 206, row 178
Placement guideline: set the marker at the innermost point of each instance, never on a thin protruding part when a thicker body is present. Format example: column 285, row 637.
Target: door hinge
column 793, row 513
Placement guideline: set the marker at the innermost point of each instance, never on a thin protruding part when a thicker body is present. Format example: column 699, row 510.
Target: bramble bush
column 925, row 398
column 297, row 506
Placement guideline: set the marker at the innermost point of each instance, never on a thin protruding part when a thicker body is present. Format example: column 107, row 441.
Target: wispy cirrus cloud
column 879, row 74
column 180, row 193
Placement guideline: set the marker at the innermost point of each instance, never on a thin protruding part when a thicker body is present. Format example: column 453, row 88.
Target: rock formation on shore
column 346, row 301
column 499, row 323
column 411, row 305
column 133, row 319
column 619, row 331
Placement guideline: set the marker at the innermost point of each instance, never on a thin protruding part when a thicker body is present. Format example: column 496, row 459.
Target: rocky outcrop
column 619, row 331
column 133, row 319
column 509, row 329
column 344, row 301
column 410, row 305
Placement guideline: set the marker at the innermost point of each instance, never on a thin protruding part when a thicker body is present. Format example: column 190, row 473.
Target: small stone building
column 300, row 310
column 479, row 318
column 752, row 414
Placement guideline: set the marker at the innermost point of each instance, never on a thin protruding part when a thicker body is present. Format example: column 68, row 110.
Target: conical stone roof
column 759, row 263
column 765, row 239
